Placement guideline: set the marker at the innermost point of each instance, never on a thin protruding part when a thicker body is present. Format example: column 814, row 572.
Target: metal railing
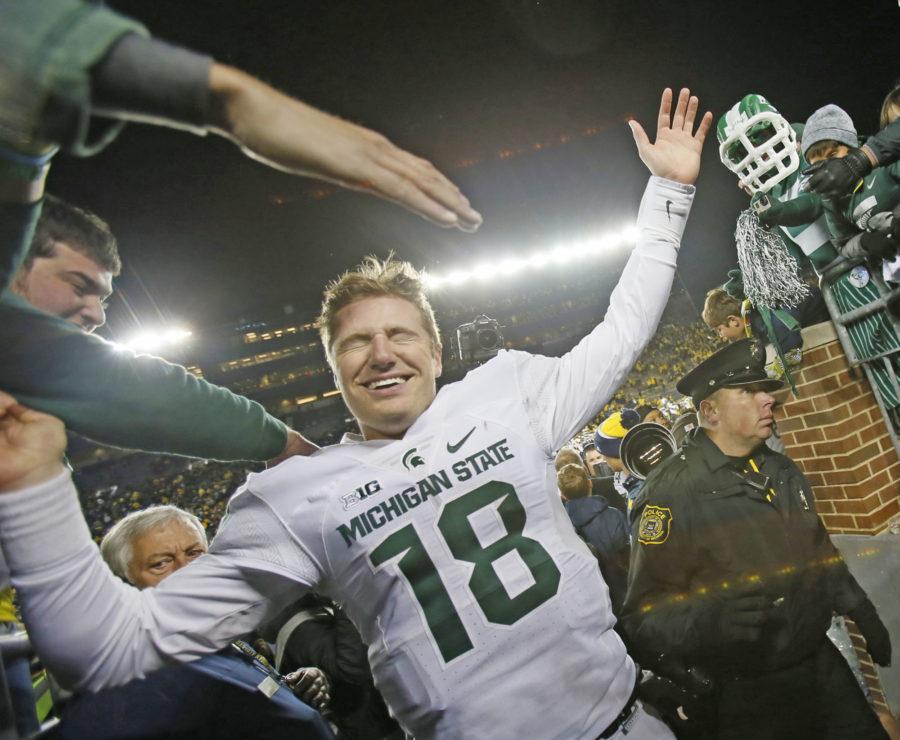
column 888, row 361
column 17, row 645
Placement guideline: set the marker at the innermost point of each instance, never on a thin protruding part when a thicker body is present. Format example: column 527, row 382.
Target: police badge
column 656, row 523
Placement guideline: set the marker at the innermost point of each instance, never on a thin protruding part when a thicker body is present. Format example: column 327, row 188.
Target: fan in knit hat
column 609, row 435
column 829, row 123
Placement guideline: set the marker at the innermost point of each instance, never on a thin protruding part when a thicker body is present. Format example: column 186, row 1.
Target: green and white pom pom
column 771, row 274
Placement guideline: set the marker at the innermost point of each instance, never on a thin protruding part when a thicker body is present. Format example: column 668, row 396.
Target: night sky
column 523, row 104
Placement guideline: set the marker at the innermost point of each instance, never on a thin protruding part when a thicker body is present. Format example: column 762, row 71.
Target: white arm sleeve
column 93, row 631
column 563, row 394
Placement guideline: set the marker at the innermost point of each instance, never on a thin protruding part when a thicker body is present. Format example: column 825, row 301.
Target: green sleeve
column 886, row 144
column 47, row 49
column 119, row 398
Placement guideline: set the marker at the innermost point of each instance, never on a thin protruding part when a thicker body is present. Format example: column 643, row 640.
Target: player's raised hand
column 297, row 138
column 31, row 445
column 675, row 154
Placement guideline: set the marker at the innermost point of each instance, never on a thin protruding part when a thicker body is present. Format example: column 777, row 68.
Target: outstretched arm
column 66, row 61
column 66, row 589
column 292, row 136
column 134, row 401
column 584, row 379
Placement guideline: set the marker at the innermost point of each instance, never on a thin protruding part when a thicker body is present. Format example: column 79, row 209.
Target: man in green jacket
column 71, row 73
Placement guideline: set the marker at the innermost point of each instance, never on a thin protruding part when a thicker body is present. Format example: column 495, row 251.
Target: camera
column 479, row 340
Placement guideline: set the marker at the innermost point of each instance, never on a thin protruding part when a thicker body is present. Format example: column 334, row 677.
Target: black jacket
column 606, row 529
column 705, row 530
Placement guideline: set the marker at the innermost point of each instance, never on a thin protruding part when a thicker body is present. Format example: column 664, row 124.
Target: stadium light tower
column 157, row 340
column 560, row 254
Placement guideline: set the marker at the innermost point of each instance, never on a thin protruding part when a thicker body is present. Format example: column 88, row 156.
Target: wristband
column 25, row 167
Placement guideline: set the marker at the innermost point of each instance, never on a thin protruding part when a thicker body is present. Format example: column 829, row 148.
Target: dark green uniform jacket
column 878, row 192
column 47, row 51
column 703, row 530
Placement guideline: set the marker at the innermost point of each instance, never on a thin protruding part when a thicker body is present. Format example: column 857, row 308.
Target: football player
column 439, row 529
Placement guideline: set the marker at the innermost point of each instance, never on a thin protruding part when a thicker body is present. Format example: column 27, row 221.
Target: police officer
column 734, row 573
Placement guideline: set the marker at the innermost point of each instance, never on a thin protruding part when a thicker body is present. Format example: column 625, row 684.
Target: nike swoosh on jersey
column 451, row 448
column 668, row 212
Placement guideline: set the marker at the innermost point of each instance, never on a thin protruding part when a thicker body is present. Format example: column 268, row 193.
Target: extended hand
column 31, row 445
column 297, row 138
column 738, row 616
column 833, row 177
column 675, row 154
column 296, row 444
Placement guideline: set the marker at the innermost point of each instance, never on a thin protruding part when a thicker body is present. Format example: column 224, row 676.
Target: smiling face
column 738, row 419
column 385, row 363
column 159, row 552
column 68, row 284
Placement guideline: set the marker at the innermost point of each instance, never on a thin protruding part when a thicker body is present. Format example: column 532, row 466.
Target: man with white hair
column 219, row 693
column 149, row 545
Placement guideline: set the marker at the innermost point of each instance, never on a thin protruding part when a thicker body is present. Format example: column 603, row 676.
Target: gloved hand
column 877, row 244
column 737, row 615
column 799, row 211
column 836, row 176
column 878, row 641
column 312, row 686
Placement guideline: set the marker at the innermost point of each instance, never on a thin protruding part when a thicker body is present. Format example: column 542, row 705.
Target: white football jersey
column 484, row 612
column 451, row 552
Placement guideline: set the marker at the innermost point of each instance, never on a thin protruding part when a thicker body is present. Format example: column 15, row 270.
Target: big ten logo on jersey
column 349, row 500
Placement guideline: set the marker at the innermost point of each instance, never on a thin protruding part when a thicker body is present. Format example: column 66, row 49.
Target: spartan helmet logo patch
column 412, row 459
column 656, row 523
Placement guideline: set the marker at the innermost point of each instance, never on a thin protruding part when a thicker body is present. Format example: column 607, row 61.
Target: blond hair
column 718, row 307
column 892, row 99
column 373, row 278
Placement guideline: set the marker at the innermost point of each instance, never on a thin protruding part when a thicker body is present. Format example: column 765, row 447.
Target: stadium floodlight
column 157, row 340
column 559, row 254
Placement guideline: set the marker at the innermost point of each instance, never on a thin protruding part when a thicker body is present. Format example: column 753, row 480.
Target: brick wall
column 835, row 432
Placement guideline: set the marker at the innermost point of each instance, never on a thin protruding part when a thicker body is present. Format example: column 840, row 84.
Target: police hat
column 740, row 363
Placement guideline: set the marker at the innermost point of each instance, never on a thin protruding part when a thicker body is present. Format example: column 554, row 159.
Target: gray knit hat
column 829, row 123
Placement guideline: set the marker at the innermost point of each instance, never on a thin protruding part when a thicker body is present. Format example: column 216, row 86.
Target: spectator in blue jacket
column 602, row 527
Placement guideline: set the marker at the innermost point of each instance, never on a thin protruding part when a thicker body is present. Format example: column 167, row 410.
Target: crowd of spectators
column 670, row 354
column 201, row 487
